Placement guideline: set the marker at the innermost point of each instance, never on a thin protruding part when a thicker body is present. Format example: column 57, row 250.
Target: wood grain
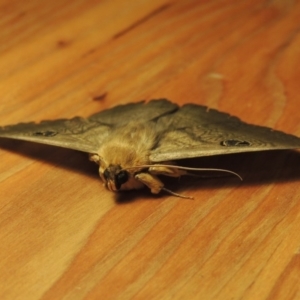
column 63, row 236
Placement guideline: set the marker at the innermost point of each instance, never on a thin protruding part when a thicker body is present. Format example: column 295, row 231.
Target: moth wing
column 195, row 131
column 138, row 112
column 87, row 134
column 76, row 133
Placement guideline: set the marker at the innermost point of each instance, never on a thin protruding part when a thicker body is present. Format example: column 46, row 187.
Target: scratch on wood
column 100, row 97
column 142, row 20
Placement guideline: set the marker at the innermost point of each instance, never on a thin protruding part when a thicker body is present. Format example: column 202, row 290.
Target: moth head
column 114, row 176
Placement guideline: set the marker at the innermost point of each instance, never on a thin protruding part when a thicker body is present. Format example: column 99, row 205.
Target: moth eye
column 121, row 178
column 106, row 174
column 235, row 143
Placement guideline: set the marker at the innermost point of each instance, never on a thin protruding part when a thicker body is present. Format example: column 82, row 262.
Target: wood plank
column 64, row 236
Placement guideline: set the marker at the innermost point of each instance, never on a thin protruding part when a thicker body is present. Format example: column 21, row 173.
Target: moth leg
column 172, row 172
column 94, row 157
column 151, row 181
column 155, row 185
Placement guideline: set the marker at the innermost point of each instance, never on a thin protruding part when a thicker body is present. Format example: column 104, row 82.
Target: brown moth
column 135, row 143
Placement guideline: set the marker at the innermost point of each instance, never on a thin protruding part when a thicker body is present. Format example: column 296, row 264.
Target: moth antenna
column 177, row 195
column 189, row 169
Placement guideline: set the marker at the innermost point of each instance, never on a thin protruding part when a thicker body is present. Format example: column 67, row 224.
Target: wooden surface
column 63, row 236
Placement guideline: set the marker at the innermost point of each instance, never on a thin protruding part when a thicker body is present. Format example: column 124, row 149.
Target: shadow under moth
column 135, row 143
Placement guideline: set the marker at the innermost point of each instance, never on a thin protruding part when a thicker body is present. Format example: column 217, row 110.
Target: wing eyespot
column 48, row 133
column 235, row 143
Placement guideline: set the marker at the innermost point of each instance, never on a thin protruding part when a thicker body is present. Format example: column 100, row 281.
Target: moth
column 135, row 143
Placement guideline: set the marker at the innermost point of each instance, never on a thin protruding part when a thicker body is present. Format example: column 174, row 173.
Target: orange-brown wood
column 64, row 236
